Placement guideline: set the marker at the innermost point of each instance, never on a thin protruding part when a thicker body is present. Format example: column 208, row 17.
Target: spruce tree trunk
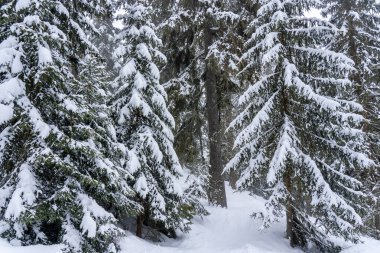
column 295, row 236
column 377, row 223
column 289, row 210
column 293, row 232
column 139, row 225
column 217, row 193
column 377, row 213
column 233, row 178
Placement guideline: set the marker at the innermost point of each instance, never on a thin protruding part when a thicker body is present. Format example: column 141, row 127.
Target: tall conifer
column 144, row 124
column 58, row 181
column 300, row 136
column 359, row 38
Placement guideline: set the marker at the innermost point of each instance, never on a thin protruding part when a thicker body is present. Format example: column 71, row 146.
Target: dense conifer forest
column 189, row 126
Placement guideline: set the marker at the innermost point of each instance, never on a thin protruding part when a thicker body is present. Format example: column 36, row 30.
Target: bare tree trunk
column 217, row 193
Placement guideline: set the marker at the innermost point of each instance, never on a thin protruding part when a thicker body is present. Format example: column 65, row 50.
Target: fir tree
column 301, row 139
column 359, row 22
column 200, row 75
column 59, row 182
column 194, row 193
column 182, row 77
column 144, row 123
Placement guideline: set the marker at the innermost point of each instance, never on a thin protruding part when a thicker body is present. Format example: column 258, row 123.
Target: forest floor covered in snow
column 230, row 230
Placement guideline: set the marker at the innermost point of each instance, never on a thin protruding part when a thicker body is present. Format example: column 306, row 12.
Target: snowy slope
column 223, row 231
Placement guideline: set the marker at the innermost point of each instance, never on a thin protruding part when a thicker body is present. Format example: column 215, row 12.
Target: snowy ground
column 223, row 231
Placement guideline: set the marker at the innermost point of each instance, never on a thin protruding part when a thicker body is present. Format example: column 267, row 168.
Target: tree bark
column 233, row 178
column 139, row 225
column 293, row 232
column 377, row 223
column 377, row 213
column 217, row 194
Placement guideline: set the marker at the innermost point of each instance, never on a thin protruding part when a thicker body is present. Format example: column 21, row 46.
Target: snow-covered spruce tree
column 58, row 183
column 181, row 77
column 301, row 139
column 194, row 194
column 199, row 74
column 360, row 39
column 143, row 123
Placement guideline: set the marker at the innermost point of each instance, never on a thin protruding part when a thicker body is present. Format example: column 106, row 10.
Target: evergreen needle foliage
column 60, row 179
column 301, row 139
column 143, row 122
column 88, row 146
column 359, row 22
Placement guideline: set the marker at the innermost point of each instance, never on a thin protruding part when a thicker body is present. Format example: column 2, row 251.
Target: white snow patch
column 31, row 19
column 11, row 89
column 62, row 9
column 129, row 69
column 90, row 205
column 44, row 55
column 368, row 245
column 6, row 247
column 9, row 42
column 37, row 121
column 88, row 225
column 72, row 236
column 70, row 105
column 133, row 162
column 16, row 65
column 141, row 186
column 22, row 4
column 6, row 113
column 143, row 51
column 23, row 195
